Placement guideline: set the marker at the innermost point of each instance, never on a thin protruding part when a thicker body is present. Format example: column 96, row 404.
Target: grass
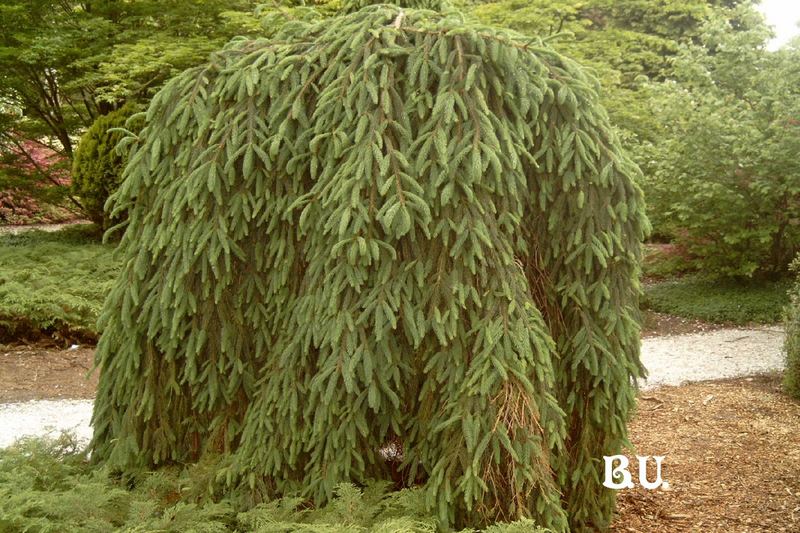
column 50, row 486
column 729, row 302
column 53, row 284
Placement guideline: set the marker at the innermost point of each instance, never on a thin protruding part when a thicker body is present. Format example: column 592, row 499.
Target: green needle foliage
column 53, row 284
column 791, row 377
column 389, row 245
column 350, row 6
column 97, row 166
column 49, row 486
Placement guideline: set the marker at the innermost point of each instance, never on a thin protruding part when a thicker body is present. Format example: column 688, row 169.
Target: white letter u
column 643, row 472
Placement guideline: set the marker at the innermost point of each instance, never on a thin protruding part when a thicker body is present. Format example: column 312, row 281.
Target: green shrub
column 719, row 301
column 48, row 485
column 664, row 261
column 53, row 284
column 98, row 165
column 390, row 226
column 791, row 377
column 723, row 176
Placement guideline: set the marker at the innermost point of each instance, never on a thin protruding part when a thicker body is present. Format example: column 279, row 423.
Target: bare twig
column 399, row 20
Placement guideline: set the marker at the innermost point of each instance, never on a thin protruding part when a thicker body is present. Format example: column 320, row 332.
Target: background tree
column 389, row 230
column 63, row 64
column 39, row 47
column 723, row 180
column 625, row 42
column 33, row 179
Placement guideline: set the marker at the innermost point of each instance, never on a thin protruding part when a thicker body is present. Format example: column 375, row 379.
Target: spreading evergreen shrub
column 97, row 165
column 53, row 284
column 390, row 245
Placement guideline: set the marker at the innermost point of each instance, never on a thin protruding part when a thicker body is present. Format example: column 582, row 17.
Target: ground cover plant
column 53, row 284
column 675, row 288
column 733, row 302
column 664, row 261
column 392, row 230
column 51, row 486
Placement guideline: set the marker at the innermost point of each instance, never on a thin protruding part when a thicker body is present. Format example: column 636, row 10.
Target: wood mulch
column 732, row 459
column 658, row 324
column 43, row 371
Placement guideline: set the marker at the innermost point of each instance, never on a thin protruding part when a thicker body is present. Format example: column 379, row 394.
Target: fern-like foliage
column 50, row 486
column 54, row 284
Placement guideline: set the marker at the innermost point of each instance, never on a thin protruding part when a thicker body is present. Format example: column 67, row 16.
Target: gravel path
column 719, row 354
column 670, row 360
column 45, row 418
column 22, row 228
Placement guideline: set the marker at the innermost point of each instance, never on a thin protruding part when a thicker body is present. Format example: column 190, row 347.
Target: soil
column 41, row 371
column 732, row 455
column 44, row 371
column 660, row 324
column 15, row 229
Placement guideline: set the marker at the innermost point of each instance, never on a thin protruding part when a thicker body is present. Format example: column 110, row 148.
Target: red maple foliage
column 33, row 172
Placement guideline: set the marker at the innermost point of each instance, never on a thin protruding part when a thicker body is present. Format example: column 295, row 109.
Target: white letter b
column 620, row 471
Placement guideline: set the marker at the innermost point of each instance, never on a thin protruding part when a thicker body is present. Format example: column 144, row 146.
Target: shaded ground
column 13, row 229
column 732, row 456
column 656, row 324
column 31, row 372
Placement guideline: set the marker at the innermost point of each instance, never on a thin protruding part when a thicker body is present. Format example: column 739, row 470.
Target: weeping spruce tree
column 390, row 230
